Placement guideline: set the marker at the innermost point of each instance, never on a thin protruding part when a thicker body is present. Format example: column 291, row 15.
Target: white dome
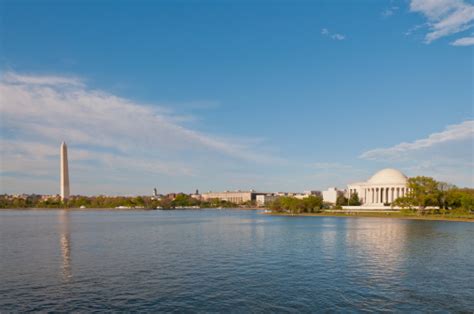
column 388, row 176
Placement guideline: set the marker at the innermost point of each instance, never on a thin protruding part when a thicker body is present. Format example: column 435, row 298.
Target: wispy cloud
column 338, row 37
column 458, row 132
column 39, row 159
column 444, row 17
column 414, row 29
column 390, row 11
column 465, row 41
column 110, row 134
column 447, row 155
column 335, row 36
column 15, row 78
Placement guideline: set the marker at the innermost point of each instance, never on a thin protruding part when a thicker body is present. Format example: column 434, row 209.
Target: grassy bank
column 397, row 215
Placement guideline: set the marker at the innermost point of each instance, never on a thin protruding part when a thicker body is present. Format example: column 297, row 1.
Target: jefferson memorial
column 382, row 188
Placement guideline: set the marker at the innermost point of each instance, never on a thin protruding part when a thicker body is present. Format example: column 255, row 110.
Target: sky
column 225, row 95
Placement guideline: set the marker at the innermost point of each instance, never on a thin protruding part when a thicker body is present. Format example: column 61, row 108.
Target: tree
column 313, row 204
column 276, row 205
column 341, row 200
column 403, row 202
column 165, row 203
column 444, row 189
column 452, row 198
column 467, row 199
column 310, row 204
column 354, row 200
column 184, row 200
column 423, row 192
column 250, row 203
column 291, row 204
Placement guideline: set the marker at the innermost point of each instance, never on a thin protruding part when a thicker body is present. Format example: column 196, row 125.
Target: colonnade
column 380, row 195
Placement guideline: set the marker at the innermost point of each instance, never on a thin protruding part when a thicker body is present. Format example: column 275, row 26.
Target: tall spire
column 64, row 172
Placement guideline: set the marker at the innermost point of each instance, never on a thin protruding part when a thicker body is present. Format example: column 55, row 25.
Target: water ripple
column 231, row 261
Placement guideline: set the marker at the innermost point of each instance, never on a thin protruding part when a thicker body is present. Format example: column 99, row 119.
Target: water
column 231, row 261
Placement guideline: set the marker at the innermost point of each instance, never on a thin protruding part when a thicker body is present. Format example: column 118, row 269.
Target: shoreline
column 389, row 215
column 123, row 209
column 395, row 215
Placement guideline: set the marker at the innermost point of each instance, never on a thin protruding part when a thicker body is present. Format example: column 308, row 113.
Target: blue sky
column 270, row 95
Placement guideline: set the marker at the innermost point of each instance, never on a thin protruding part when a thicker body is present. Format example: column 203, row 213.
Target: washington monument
column 64, row 172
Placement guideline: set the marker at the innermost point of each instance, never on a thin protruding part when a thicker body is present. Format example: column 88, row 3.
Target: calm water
column 230, row 260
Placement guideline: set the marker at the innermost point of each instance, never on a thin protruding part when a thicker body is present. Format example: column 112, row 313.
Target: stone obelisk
column 64, row 172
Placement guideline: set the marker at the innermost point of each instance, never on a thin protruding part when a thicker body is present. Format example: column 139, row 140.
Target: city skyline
column 223, row 97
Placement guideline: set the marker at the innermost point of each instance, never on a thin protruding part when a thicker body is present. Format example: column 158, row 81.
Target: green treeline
column 427, row 195
column 310, row 204
column 181, row 200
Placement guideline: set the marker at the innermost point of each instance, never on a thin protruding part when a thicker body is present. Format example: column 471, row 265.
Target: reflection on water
column 230, row 260
column 65, row 242
column 379, row 243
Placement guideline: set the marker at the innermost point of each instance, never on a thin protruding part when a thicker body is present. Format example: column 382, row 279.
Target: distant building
column 156, row 195
column 196, row 195
column 313, row 193
column 237, row 197
column 265, row 199
column 299, row 195
column 172, row 196
column 331, row 195
column 306, row 194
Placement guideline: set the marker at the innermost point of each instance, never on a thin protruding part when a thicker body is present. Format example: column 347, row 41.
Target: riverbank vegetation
column 426, row 199
column 139, row 202
column 428, row 196
column 452, row 216
column 310, row 204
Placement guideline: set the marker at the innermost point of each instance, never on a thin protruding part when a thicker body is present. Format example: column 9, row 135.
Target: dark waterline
column 231, row 260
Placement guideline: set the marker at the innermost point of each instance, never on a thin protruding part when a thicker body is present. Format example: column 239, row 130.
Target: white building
column 237, row 197
column 299, row 195
column 384, row 187
column 313, row 192
column 265, row 199
column 331, row 194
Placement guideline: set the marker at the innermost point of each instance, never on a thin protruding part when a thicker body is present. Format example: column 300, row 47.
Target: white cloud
column 109, row 134
column 445, row 17
column 39, row 159
column 447, row 155
column 459, row 172
column 338, row 37
column 12, row 78
column 335, row 36
column 458, row 132
column 465, row 41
